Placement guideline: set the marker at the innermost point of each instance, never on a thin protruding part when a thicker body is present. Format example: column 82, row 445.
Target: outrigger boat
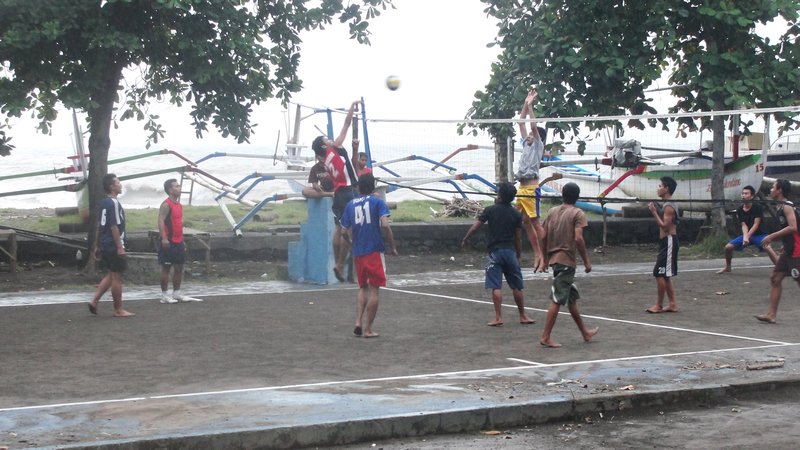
column 627, row 176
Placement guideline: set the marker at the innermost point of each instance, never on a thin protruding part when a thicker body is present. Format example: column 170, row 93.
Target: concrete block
column 310, row 260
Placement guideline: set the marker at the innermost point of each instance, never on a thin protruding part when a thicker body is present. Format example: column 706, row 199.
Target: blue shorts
column 738, row 243
column 500, row 262
column 173, row 254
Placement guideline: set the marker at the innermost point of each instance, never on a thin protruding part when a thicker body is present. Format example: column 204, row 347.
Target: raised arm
column 527, row 111
column 347, row 121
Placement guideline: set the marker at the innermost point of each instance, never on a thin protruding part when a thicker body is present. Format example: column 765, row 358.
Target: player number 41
column 362, row 214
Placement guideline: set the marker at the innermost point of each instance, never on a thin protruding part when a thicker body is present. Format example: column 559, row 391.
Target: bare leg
column 530, row 226
column 549, row 323
column 372, row 310
column 164, row 278
column 728, row 259
column 497, row 299
column 177, row 277
column 337, row 239
column 341, row 247
column 774, row 297
column 670, row 291
column 116, row 294
column 361, row 305
column 519, row 299
column 576, row 316
column 661, row 290
column 537, row 226
column 102, row 288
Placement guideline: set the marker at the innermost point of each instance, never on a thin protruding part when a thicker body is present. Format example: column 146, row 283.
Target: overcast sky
column 437, row 48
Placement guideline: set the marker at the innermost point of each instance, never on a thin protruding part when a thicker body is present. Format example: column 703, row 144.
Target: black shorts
column 788, row 265
column 111, row 261
column 341, row 198
column 667, row 261
column 171, row 254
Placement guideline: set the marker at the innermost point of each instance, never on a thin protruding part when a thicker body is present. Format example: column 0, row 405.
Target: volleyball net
column 616, row 160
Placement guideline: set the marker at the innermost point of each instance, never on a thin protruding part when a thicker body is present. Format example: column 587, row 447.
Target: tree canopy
column 221, row 56
column 599, row 57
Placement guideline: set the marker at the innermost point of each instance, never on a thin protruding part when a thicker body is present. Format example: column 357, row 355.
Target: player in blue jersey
column 364, row 217
column 111, row 246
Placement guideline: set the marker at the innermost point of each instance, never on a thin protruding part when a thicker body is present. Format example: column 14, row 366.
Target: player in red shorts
column 363, row 219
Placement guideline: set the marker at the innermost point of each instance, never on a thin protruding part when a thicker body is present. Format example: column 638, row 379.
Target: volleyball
column 392, row 82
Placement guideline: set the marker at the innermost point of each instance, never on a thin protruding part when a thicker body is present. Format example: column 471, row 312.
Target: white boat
column 630, row 176
column 783, row 157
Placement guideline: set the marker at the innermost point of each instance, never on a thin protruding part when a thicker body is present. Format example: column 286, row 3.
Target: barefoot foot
column 590, row 334
column 495, row 323
column 549, row 343
column 671, row 309
column 525, row 320
column 765, row 318
column 92, row 308
column 123, row 313
column 369, row 334
column 654, row 309
column 724, row 270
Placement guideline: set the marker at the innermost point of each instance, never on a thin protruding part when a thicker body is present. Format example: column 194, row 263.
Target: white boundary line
column 397, row 378
column 525, row 361
column 608, row 319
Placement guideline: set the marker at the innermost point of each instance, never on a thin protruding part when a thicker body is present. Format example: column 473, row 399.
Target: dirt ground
column 47, row 275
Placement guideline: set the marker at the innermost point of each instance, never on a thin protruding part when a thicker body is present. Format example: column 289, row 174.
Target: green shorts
column 564, row 289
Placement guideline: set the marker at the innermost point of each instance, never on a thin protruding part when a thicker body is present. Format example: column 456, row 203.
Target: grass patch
column 211, row 218
column 712, row 246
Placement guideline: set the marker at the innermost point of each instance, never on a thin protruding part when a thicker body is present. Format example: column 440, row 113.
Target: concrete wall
column 412, row 237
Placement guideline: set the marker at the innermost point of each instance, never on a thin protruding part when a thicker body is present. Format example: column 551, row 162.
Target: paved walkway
column 276, row 365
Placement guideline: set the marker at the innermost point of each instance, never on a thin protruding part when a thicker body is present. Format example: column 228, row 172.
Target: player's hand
column 766, row 241
column 745, row 242
column 98, row 255
column 587, row 266
column 165, row 242
column 121, row 252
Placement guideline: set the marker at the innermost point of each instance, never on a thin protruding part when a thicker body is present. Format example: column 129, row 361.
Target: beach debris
column 762, row 365
column 563, row 381
column 722, row 292
column 491, row 433
column 627, row 388
column 701, row 365
column 461, row 207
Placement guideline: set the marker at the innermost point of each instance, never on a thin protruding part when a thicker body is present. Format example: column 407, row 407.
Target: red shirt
column 174, row 222
column 340, row 168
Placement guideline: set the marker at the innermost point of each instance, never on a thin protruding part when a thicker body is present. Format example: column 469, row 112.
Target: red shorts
column 370, row 270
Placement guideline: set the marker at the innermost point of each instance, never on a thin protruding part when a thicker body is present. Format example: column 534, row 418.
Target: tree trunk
column 718, row 176
column 501, row 161
column 99, row 144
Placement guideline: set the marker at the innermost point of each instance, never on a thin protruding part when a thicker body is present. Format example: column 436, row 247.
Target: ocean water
column 388, row 142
